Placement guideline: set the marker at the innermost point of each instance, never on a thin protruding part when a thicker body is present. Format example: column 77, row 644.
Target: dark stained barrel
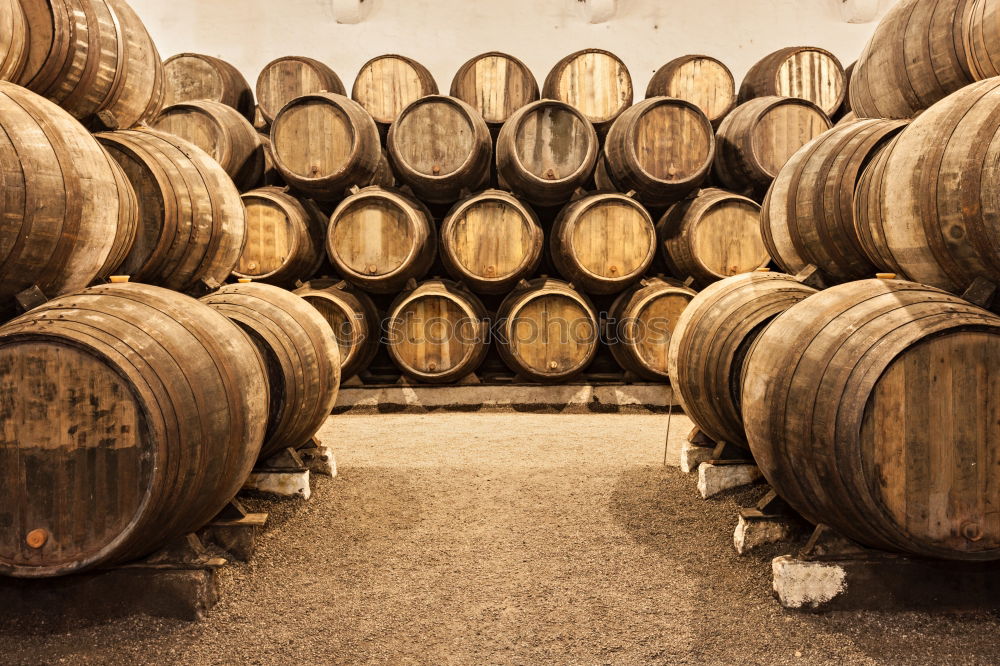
column 603, row 242
column 662, row 148
column 491, row 241
column 192, row 224
column 299, row 351
column 221, row 132
column 805, row 72
column 379, row 239
column 153, row 415
column 595, row 82
column 757, row 138
column 702, row 80
column 286, row 78
column 325, row 144
column 69, row 215
column 640, row 323
column 285, row 238
column 353, row 318
column 191, row 77
column 711, row 341
column 547, row 331
column 711, row 236
column 496, row 85
column 808, row 215
column 387, row 84
column 95, row 59
column 926, row 207
column 441, row 147
column 545, row 152
column 437, row 333
column 871, row 407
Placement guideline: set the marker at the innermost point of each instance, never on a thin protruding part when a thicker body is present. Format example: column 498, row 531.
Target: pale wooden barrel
column 191, row 77
column 808, row 215
column 702, row 80
column 299, row 351
column 441, row 147
column 491, row 241
column 285, row 238
column 926, row 207
column 352, row 317
column 711, row 236
column 388, row 84
column 496, row 85
column 641, row 321
column 437, row 332
column 595, row 82
column 379, row 239
column 603, row 242
column 805, row 72
column 871, row 407
column 192, row 224
column 661, row 148
column 757, row 138
column 545, row 152
column 223, row 133
column 548, row 331
column 286, row 78
column 710, row 342
column 13, row 40
column 69, row 214
column 325, row 144
column 916, row 57
column 95, row 59
column 161, row 405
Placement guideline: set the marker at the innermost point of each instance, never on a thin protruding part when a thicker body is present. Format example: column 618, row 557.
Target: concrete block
column 802, row 584
column 759, row 531
column 292, row 485
column 319, row 460
column 692, row 456
column 714, row 477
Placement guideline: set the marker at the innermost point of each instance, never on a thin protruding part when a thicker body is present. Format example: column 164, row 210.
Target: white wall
column 442, row 34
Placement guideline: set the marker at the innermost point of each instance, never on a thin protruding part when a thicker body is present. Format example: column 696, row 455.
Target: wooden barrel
column 757, row 138
column 491, row 241
column 712, row 236
column 595, row 82
column 324, row 144
column 441, row 147
column 547, row 331
column 662, row 148
column 496, row 85
column 192, row 224
column 352, row 317
column 191, row 77
column 805, row 72
column 221, row 132
column 153, row 416
column 916, row 57
column 704, row 81
column 285, row 238
column 710, row 342
column 388, row 84
column 926, row 206
column 871, row 408
column 299, row 351
column 808, row 215
column 95, row 59
column 286, row 78
column 545, row 152
column 982, row 34
column 69, row 215
column 641, row 321
column 603, row 242
column 13, row 40
column 379, row 239
column 437, row 332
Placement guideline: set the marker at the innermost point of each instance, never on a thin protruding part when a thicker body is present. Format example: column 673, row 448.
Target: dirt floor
column 508, row 538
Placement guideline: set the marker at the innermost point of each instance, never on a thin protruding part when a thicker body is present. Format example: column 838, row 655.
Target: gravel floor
column 507, row 538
